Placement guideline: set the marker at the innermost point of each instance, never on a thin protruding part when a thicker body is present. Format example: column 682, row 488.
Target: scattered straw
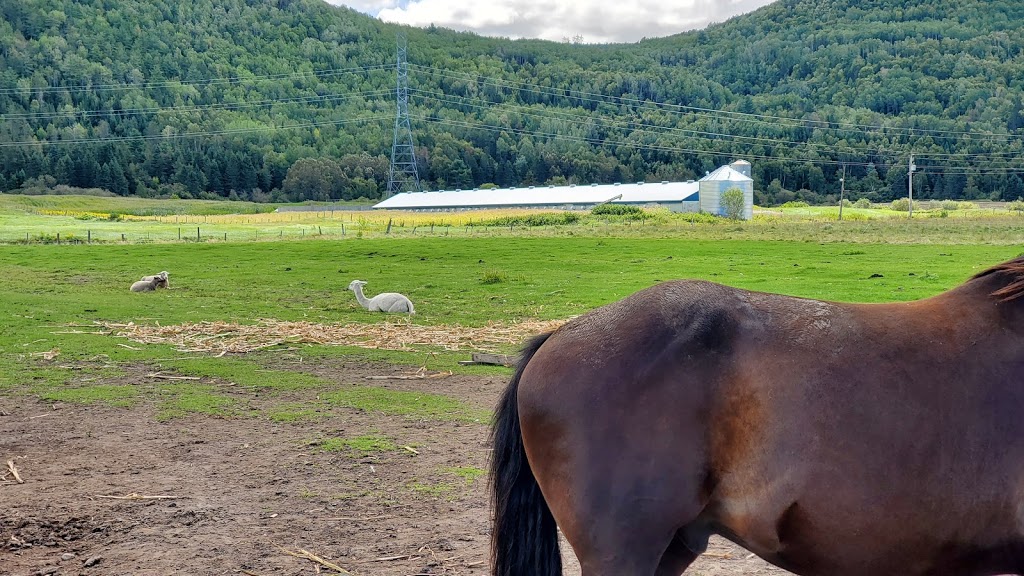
column 229, row 337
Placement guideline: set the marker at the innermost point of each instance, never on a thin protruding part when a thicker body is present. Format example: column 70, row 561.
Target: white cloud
column 593, row 20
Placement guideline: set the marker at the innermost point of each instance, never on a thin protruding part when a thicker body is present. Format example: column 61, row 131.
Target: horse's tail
column 524, row 536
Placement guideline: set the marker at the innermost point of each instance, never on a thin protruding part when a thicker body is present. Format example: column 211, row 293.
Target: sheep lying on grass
column 151, row 283
column 165, row 281
column 146, row 285
column 384, row 302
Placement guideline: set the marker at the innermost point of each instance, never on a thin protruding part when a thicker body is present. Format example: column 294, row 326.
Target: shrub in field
column 862, row 203
column 616, row 210
column 900, row 205
column 957, row 205
column 700, row 218
column 1016, row 206
column 795, row 204
column 493, row 277
column 733, row 203
column 561, row 219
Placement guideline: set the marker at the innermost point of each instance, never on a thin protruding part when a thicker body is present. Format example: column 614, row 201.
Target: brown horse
column 829, row 439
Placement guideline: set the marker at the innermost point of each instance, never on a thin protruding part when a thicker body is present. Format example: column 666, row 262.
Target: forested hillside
column 294, row 100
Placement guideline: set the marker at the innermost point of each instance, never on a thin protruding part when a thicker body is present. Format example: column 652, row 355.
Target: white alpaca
column 385, row 302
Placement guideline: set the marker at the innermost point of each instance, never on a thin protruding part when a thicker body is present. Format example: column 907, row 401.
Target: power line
column 628, row 144
column 203, row 82
column 195, row 108
column 674, row 149
column 650, row 129
column 584, row 96
column 148, row 137
column 634, row 126
column 572, row 94
column 646, row 128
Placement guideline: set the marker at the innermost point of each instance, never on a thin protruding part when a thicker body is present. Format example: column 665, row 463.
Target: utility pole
column 910, row 185
column 403, row 175
column 842, row 190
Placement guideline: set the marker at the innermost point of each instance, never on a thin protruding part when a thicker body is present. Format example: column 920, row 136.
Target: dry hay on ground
column 231, row 337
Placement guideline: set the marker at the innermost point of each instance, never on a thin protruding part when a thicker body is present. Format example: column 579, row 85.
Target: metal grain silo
column 716, row 183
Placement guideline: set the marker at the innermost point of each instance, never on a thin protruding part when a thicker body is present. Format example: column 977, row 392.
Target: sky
column 590, row 21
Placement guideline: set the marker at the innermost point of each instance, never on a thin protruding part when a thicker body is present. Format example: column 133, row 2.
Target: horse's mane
column 1013, row 270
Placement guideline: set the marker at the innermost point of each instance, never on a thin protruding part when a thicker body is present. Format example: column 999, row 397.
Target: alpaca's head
column 356, row 284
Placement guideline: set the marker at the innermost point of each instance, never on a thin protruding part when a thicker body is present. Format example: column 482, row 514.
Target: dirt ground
column 112, row 491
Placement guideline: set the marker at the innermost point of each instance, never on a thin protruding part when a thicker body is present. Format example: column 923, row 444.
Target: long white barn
column 692, row 196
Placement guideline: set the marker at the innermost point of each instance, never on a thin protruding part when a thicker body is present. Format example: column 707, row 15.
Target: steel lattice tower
column 403, row 176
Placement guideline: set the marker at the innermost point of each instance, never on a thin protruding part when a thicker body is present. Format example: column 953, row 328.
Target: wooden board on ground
column 489, row 359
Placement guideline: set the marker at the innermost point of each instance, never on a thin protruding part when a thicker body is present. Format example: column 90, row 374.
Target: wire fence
column 200, row 234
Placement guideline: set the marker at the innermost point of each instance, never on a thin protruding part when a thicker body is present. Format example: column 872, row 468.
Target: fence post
column 58, row 238
column 179, row 233
column 225, row 236
column 388, row 231
column 342, row 228
column 89, row 235
column 197, row 234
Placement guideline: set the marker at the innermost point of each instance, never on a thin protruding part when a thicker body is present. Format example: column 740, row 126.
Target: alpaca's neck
column 362, row 299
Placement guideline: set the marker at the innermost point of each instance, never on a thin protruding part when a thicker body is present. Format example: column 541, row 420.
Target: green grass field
column 52, row 294
column 64, row 219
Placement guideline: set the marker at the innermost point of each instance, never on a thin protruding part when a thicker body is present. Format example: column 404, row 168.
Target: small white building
column 701, row 196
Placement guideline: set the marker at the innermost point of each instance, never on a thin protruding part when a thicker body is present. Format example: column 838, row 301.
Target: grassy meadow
column 99, row 220
column 469, row 275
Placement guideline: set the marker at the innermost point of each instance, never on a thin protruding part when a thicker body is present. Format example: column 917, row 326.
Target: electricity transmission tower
column 403, row 176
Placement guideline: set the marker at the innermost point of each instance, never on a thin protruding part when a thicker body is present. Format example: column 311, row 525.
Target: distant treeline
column 290, row 100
